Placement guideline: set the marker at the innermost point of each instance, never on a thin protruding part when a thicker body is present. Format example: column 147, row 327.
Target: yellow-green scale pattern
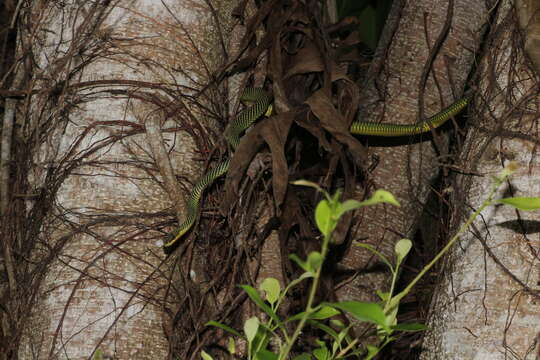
column 381, row 129
column 261, row 101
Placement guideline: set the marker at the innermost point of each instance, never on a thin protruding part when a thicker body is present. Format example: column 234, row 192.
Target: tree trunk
column 105, row 134
column 487, row 303
column 424, row 57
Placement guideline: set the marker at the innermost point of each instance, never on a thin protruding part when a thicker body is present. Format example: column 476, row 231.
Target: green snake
column 261, row 101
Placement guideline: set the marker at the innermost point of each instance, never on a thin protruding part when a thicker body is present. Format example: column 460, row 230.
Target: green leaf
column 335, row 199
column 256, row 298
column 250, row 328
column 301, row 278
column 324, row 313
column 402, row 248
column 303, row 356
column 391, row 319
column 383, row 295
column 337, row 323
column 325, row 328
column 224, row 327
column 522, row 203
column 368, row 27
column 321, row 353
column 371, row 352
column 351, row 7
column 363, row 311
column 305, row 275
column 206, row 356
column 314, row 261
column 347, row 205
column 411, row 327
column 272, row 289
column 266, row 355
column 232, row 346
column 323, row 218
column 299, row 262
column 381, row 196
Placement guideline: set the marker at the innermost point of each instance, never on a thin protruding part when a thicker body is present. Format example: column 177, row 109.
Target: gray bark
column 109, row 95
column 424, row 56
column 487, row 303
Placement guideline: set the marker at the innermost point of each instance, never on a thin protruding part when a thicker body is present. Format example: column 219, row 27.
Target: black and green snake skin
column 261, row 101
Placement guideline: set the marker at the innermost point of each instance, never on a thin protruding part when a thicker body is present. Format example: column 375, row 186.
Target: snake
column 260, row 102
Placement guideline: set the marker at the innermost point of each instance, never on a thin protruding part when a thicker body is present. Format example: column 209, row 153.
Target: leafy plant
column 260, row 333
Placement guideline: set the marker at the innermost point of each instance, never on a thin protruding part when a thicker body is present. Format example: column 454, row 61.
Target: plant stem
column 464, row 227
column 309, row 306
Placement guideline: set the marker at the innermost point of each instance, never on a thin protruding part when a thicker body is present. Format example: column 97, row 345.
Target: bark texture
column 421, row 66
column 110, row 123
column 487, row 305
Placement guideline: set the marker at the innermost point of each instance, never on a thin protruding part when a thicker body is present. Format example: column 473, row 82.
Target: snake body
column 261, row 101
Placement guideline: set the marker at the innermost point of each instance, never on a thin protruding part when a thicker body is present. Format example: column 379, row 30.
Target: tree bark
column 99, row 132
column 421, row 66
column 487, row 303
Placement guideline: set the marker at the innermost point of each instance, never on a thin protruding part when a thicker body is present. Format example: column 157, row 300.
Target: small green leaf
column 299, row 262
column 382, row 295
column 303, row 356
column 381, row 196
column 391, row 319
column 321, row 353
column 232, row 346
column 314, row 261
column 348, row 205
column 305, row 275
column 337, row 323
column 206, row 356
column 256, row 298
column 266, row 355
column 325, row 328
column 371, row 352
column 335, row 199
column 324, row 312
column 402, row 248
column 323, row 218
column 250, row 328
column 411, row 327
column 343, row 334
column 272, row 289
column 224, row 327
column 368, row 27
column 522, row 203
column 363, row 311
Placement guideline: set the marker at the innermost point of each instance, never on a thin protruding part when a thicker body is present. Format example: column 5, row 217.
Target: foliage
column 371, row 16
column 270, row 339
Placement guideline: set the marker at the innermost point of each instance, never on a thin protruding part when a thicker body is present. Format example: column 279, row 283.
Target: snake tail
column 260, row 102
column 194, row 202
column 381, row 129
